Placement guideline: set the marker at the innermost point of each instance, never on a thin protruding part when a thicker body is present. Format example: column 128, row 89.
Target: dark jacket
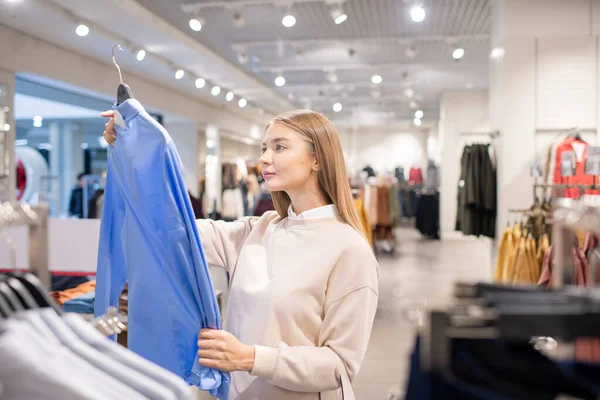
column 76, row 202
column 476, row 213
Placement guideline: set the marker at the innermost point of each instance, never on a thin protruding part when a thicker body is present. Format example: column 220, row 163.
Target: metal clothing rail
column 36, row 219
column 582, row 188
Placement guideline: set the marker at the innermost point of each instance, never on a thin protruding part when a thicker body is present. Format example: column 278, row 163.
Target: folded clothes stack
column 83, row 304
column 65, row 295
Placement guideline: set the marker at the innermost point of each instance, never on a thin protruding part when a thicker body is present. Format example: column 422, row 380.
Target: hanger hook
column 115, row 61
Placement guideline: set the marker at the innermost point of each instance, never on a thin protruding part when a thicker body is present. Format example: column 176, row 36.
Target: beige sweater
column 304, row 293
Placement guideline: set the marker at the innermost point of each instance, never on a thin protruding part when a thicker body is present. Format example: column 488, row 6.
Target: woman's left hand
column 222, row 351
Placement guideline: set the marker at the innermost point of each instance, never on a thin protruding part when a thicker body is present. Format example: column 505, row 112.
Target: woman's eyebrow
column 278, row 140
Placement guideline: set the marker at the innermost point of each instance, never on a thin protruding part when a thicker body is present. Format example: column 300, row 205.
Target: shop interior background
column 407, row 84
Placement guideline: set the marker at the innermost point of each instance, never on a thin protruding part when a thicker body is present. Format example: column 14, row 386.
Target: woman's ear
column 316, row 166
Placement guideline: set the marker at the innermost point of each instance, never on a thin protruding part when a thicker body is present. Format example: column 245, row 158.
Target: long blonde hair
column 323, row 140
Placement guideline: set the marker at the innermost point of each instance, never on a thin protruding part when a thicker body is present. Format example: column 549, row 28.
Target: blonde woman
column 304, row 281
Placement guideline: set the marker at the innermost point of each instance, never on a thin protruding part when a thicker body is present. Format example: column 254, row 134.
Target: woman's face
column 287, row 164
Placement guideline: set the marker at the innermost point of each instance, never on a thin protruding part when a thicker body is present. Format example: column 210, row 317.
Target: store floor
column 420, row 273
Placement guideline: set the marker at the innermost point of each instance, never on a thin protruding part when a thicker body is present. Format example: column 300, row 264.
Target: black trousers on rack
column 428, row 215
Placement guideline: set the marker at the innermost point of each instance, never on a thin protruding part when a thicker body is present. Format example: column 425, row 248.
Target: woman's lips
column 268, row 175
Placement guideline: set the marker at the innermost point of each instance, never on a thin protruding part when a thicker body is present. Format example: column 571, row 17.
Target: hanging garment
column 523, row 267
column 476, row 198
column 428, row 216
column 232, row 204
column 149, row 238
column 432, row 183
column 264, row 203
column 579, row 264
column 394, row 205
column 541, row 252
column 573, row 151
column 415, row 176
column 503, row 253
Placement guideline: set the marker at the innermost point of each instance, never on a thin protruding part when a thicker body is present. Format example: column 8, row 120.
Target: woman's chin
column 272, row 187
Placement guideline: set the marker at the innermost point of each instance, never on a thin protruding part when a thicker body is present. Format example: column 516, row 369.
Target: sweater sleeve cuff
column 265, row 359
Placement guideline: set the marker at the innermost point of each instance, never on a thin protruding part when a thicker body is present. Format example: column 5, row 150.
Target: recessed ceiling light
column 200, row 83
column 497, row 53
column 229, row 96
column 196, row 24
column 179, row 74
column 280, row 81
column 242, row 103
column 82, row 30
column 337, row 107
column 409, row 92
column 215, row 90
column 419, row 114
column 141, row 54
column 413, row 104
column 458, row 53
column 417, row 122
column 288, row 21
column 417, row 13
column 338, row 14
column 377, row 79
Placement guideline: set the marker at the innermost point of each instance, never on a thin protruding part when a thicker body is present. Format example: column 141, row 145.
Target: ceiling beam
column 197, row 6
column 331, row 67
column 346, row 85
column 406, row 39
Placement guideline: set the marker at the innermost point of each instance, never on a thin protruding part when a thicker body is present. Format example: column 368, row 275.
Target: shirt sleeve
column 349, row 313
column 222, row 241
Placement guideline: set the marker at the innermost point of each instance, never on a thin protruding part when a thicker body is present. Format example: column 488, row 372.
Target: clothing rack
column 36, row 219
column 582, row 188
column 566, row 131
column 491, row 311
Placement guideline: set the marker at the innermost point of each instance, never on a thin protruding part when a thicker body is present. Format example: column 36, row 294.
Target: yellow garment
column 531, row 248
column 580, row 237
column 511, row 249
column 359, row 205
column 544, row 247
column 502, row 256
column 523, row 270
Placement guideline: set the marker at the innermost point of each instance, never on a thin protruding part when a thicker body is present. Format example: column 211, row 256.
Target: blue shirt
column 148, row 238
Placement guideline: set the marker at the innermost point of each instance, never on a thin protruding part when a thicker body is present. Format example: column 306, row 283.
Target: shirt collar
column 319, row 212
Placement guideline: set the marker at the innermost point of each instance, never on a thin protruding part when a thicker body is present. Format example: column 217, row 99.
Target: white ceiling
column 379, row 31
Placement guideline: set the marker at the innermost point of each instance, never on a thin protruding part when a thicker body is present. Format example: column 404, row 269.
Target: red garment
column 580, row 177
column 580, row 265
column 415, row 176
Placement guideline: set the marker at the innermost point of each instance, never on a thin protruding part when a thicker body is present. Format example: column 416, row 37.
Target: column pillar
column 7, row 136
column 213, row 169
column 186, row 138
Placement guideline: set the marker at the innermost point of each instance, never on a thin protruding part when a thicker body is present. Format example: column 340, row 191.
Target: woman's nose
column 265, row 158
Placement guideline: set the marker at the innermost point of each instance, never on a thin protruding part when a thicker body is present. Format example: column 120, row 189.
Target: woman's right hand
column 109, row 128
